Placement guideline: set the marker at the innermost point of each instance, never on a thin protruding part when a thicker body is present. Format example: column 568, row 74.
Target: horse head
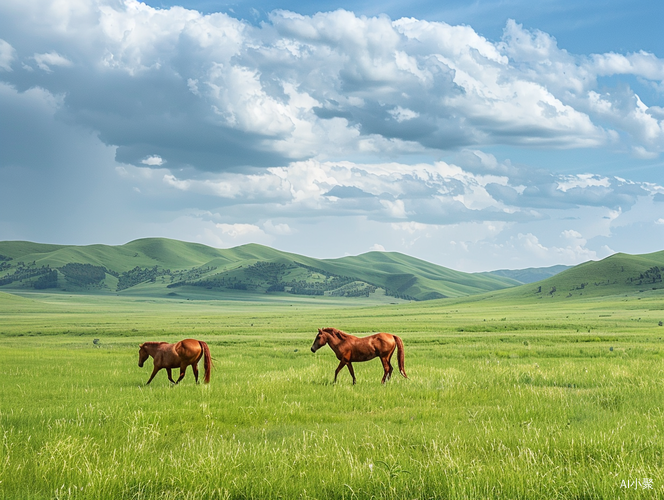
column 142, row 355
column 319, row 341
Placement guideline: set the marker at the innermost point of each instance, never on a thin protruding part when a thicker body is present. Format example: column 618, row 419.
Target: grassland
column 529, row 398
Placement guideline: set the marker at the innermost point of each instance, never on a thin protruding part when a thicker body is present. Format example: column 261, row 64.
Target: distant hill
column 163, row 267
column 532, row 274
column 619, row 274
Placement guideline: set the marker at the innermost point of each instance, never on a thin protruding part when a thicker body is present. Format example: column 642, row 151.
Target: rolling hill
column 618, row 275
column 531, row 274
column 614, row 275
column 163, row 267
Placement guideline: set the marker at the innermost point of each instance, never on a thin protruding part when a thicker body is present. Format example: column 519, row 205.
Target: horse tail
column 400, row 356
column 208, row 360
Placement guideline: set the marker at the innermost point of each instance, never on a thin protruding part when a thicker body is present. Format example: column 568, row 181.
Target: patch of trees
column 83, row 274
column 652, row 275
column 23, row 273
column 354, row 289
column 399, row 295
column 238, row 286
column 189, row 274
column 331, row 282
column 270, row 272
column 48, row 280
column 139, row 275
column 217, row 281
column 269, row 276
column 4, row 258
column 314, row 270
column 306, row 291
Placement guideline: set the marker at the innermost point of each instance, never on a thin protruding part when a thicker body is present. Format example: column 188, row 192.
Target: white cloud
column 582, row 181
column 402, row 114
column 235, row 231
column 153, row 161
column 45, row 61
column 644, row 154
column 414, row 197
column 410, row 227
column 377, row 248
column 572, row 254
column 243, row 188
column 639, row 64
column 300, row 87
column 7, row 55
column 571, row 234
column 277, row 229
column 396, row 209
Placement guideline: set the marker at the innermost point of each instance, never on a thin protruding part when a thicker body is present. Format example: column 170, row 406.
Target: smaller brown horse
column 349, row 348
column 179, row 355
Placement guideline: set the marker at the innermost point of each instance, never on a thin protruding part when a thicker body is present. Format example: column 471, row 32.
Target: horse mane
column 336, row 333
column 152, row 343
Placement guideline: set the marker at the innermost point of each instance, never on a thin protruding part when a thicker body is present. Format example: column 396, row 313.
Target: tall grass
column 534, row 412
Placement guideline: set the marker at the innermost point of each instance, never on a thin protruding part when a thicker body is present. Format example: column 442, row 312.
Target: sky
column 497, row 134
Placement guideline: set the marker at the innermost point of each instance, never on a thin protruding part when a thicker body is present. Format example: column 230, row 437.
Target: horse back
column 372, row 346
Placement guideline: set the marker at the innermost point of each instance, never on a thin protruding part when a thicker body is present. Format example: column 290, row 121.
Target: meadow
column 504, row 400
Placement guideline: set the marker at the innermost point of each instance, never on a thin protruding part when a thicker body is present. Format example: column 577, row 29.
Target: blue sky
column 476, row 135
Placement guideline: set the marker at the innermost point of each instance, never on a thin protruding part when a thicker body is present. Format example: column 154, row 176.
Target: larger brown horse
column 179, row 355
column 350, row 348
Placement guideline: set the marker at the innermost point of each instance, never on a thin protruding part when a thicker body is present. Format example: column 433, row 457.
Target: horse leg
column 341, row 365
column 387, row 367
column 183, row 369
column 195, row 368
column 352, row 372
column 170, row 375
column 389, row 363
column 154, row 372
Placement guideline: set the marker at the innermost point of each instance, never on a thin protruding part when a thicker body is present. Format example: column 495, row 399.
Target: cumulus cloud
column 7, row 55
column 153, row 161
column 217, row 94
column 573, row 253
column 239, row 230
column 413, row 197
column 281, row 229
column 46, row 61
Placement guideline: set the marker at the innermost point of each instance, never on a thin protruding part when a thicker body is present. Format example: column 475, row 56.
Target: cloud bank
column 217, row 94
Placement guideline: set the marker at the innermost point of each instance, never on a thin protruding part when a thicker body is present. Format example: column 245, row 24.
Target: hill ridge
column 173, row 268
column 160, row 265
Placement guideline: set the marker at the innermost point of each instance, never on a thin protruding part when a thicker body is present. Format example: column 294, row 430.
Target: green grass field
column 505, row 399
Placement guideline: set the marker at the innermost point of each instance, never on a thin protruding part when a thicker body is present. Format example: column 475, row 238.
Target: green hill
column 531, row 274
column 617, row 275
column 157, row 266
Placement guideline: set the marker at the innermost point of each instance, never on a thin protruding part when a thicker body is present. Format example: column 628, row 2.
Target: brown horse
column 349, row 348
column 179, row 355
